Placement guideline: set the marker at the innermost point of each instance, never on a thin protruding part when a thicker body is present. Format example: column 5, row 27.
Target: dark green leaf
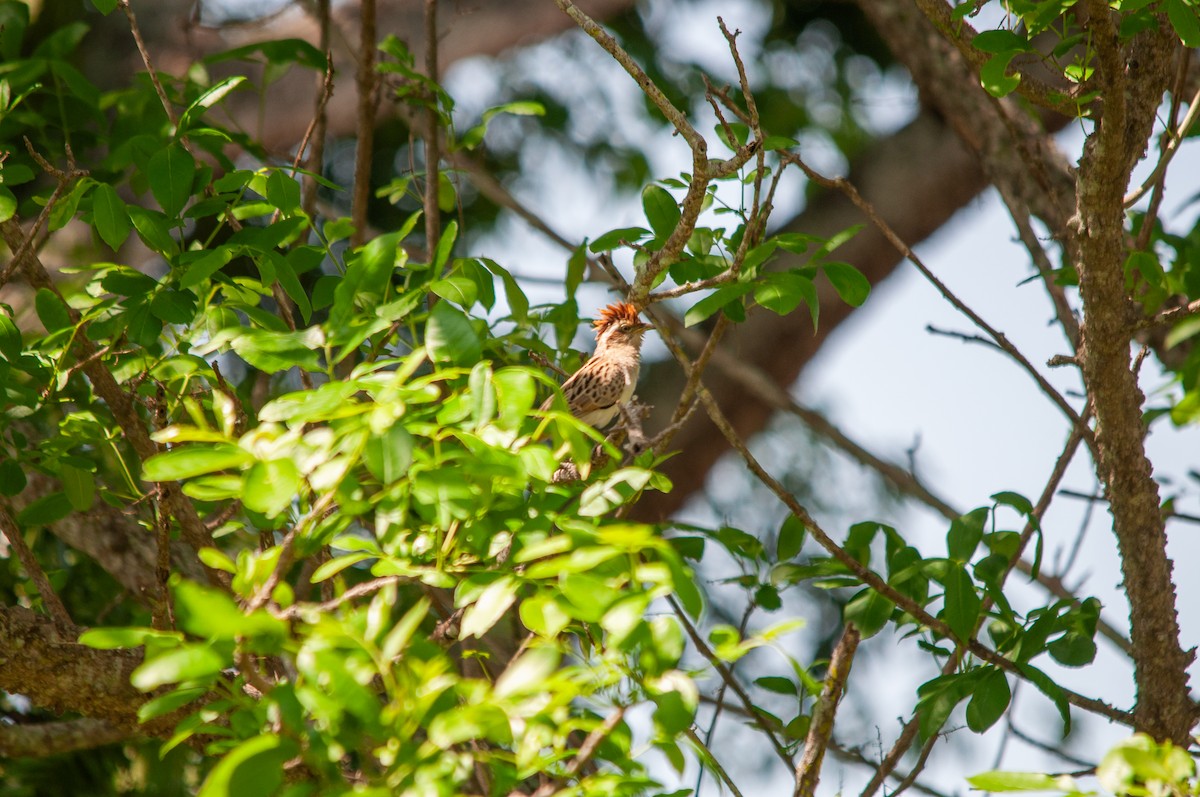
column 715, row 301
column 283, row 192
column 965, row 533
column 170, row 173
column 661, row 210
column 989, row 702
column 791, row 538
column 869, row 611
column 1051, row 690
column 999, row 41
column 12, row 477
column 441, row 255
column 1184, row 20
column 174, row 307
column 79, row 485
column 778, row 685
column 126, row 282
column 110, row 216
column 252, row 769
column 10, row 338
column 962, row 602
column 1073, row 649
column 45, row 510
column 612, row 239
column 51, row 310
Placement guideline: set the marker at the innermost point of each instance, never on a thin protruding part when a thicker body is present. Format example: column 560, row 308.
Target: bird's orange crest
column 618, row 311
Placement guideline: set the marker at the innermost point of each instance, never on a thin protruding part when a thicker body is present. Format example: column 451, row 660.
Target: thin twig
column 366, row 82
column 727, row 677
column 433, row 219
column 1168, row 152
column 820, row 730
column 851, row 193
column 586, row 751
column 707, row 754
column 54, row 606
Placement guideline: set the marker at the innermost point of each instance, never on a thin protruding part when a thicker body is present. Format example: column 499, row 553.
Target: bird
column 596, row 391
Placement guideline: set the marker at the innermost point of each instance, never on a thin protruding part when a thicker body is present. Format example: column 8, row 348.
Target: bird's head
column 619, row 325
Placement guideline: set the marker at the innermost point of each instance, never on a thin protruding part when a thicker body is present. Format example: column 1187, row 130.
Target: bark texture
column 1134, row 83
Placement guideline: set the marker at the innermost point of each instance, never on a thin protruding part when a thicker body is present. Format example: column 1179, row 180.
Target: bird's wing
column 595, row 386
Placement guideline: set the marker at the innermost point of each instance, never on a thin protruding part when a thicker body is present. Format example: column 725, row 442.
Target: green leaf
column 389, row 455
column 271, row 486
column 994, row 78
column 460, row 290
column 661, row 210
column 791, row 538
column 612, row 239
column 283, row 191
column 11, row 344
column 869, row 611
column 1051, row 690
column 1015, row 500
column 962, row 602
column 79, row 485
column 155, row 229
column 45, row 510
column 12, row 477
column 849, row 282
column 174, row 307
column 965, row 533
column 211, row 613
column 1073, row 649
column 105, row 7
column 121, row 638
column 208, row 99
column 999, row 41
column 529, row 674
column 184, row 663
column 51, row 310
column 195, row 460
column 1021, row 781
column 445, row 246
column 485, row 612
column 1183, row 18
column 368, row 275
column 518, row 303
column 110, row 216
column 171, row 173
column 989, row 702
column 273, row 352
column 124, row 281
column 450, row 336
column 252, row 769
column 8, row 204
column 715, row 301
column 782, row 292
column 778, row 684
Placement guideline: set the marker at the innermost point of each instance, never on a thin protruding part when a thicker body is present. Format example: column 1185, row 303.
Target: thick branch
column 1164, row 708
column 60, row 675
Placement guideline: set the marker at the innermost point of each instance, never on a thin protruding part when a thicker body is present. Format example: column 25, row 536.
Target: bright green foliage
column 1137, row 767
